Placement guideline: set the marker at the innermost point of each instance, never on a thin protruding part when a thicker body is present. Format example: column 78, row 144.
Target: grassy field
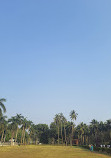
column 47, row 152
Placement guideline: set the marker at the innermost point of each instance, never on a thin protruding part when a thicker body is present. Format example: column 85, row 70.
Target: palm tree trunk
column 70, row 139
column 36, row 142
column 58, row 134
column 16, row 135
column 29, row 135
column 72, row 135
column 12, row 138
column 2, row 136
column 83, row 139
column 53, row 141
column 110, row 134
column 29, row 140
column 65, row 134
column 61, row 133
column 22, row 135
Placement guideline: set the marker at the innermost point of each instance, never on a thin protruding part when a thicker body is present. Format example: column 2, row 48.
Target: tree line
column 60, row 131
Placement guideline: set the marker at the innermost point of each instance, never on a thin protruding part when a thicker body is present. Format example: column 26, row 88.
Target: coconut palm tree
column 3, row 127
column 101, row 128
column 61, row 124
column 57, row 122
column 2, row 106
column 80, row 130
column 18, row 119
column 64, row 124
column 24, row 126
column 94, row 130
column 73, row 116
column 108, row 125
column 13, row 127
column 33, row 134
column 53, row 132
column 29, row 124
column 69, row 132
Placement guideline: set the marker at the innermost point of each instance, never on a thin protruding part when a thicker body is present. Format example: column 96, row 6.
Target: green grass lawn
column 47, row 152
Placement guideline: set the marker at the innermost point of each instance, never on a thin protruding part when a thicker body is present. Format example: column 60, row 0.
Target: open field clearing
column 47, row 152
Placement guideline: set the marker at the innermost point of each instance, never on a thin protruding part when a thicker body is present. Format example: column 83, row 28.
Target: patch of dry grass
column 47, row 152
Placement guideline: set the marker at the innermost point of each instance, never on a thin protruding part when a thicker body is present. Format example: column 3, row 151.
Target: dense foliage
column 61, row 131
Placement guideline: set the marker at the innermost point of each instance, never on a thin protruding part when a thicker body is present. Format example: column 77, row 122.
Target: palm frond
column 3, row 107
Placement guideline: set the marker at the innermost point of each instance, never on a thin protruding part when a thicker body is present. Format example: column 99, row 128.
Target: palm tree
column 53, row 132
column 3, row 127
column 108, row 125
column 86, row 134
column 3, row 108
column 101, row 128
column 24, row 126
column 82, row 130
column 12, row 127
column 29, row 124
column 73, row 116
column 18, row 119
column 57, row 122
column 61, row 122
column 69, row 132
column 64, row 124
column 94, row 130
column 34, row 134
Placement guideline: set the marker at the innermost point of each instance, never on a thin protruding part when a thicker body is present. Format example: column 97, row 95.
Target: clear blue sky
column 55, row 56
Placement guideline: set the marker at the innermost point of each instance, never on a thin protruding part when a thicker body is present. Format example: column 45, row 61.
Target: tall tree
column 13, row 127
column 108, row 125
column 29, row 124
column 69, row 132
column 73, row 116
column 57, row 122
column 24, row 127
column 18, row 119
column 3, row 127
column 94, row 129
column 33, row 134
column 61, row 124
column 53, row 133
column 64, row 124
